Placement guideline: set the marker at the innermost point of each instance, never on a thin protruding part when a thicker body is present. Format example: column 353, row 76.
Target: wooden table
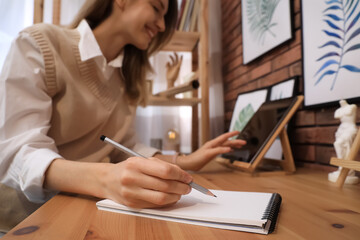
column 312, row 208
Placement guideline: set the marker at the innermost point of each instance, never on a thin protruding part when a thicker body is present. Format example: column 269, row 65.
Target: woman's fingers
column 145, row 198
column 236, row 143
column 211, row 153
column 154, row 183
column 172, row 59
column 163, row 170
column 222, row 138
column 139, row 182
column 176, row 58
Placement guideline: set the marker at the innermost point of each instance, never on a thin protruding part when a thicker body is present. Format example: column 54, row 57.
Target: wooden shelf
column 182, row 42
column 198, row 44
column 163, row 101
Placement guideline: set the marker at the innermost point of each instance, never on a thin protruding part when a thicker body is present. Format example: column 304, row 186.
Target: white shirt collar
column 89, row 48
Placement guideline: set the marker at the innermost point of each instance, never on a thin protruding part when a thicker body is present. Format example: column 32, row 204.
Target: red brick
column 296, row 6
column 229, row 6
column 236, row 53
column 234, row 64
column 303, row 135
column 235, row 43
column 304, row 152
column 232, row 35
column 275, row 77
column 237, row 72
column 297, row 21
column 231, row 95
column 273, row 53
column 304, row 118
column 232, row 20
column 260, row 71
column 228, row 115
column 296, row 40
column 295, row 69
column 242, row 80
column 294, row 54
column 324, row 153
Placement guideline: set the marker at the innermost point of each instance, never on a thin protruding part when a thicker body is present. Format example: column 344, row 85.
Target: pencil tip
column 102, row 138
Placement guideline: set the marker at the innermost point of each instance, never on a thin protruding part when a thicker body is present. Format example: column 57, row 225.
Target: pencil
column 133, row 153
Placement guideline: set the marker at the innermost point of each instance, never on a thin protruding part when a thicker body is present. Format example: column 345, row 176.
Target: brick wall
column 312, row 131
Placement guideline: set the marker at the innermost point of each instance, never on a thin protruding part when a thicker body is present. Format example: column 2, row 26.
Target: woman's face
column 142, row 20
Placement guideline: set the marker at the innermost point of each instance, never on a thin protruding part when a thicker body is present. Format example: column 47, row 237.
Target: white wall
column 15, row 15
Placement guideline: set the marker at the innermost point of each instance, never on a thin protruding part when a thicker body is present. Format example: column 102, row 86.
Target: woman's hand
column 209, row 151
column 146, row 183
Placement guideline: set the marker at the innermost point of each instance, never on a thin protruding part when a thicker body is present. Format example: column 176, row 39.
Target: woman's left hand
column 209, row 151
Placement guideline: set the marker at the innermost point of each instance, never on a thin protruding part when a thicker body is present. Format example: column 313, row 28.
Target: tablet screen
column 260, row 128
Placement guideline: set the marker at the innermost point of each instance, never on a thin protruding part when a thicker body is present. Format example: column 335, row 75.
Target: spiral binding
column 272, row 210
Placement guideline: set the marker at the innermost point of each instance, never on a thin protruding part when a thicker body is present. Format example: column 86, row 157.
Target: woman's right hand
column 145, row 183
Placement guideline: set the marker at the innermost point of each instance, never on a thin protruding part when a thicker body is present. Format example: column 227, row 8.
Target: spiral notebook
column 241, row 211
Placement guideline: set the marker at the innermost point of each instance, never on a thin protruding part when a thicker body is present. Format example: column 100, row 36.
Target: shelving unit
column 39, row 11
column 191, row 42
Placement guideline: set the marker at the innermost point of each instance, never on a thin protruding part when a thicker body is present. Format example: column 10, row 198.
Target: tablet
column 258, row 131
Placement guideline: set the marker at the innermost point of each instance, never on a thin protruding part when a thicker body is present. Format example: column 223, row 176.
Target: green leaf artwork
column 260, row 14
column 243, row 118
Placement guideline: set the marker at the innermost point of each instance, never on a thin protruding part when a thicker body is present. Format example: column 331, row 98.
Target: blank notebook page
column 229, row 207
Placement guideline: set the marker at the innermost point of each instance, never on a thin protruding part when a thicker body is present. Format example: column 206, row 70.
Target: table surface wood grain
column 312, row 208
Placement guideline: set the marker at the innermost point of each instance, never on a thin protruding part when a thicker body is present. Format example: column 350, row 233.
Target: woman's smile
column 150, row 32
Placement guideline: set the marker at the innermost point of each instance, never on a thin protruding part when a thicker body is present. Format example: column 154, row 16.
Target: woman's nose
column 161, row 24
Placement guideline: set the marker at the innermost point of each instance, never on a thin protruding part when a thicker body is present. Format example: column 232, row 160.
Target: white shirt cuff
column 33, row 175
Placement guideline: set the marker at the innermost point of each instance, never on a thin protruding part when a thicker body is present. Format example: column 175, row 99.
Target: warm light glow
column 172, row 135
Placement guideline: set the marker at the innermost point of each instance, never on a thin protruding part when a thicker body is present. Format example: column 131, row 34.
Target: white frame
column 325, row 83
column 257, row 42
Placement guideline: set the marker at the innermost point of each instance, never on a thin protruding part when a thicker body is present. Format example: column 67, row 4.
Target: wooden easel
column 349, row 162
column 286, row 165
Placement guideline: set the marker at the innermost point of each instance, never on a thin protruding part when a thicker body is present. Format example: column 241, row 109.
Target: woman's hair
column 136, row 63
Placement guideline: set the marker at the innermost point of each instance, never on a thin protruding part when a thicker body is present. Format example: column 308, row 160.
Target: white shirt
column 25, row 111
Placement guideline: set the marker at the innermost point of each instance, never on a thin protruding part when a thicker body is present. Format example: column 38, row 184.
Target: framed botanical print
column 265, row 25
column 331, row 51
column 284, row 89
column 245, row 107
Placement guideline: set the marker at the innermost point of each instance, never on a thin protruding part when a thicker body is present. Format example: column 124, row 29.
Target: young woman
column 62, row 88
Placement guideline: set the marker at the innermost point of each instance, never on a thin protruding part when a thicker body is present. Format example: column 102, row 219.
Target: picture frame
column 284, row 89
column 331, row 51
column 265, row 25
column 246, row 105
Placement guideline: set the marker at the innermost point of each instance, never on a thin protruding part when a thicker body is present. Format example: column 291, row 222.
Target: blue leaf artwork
column 342, row 32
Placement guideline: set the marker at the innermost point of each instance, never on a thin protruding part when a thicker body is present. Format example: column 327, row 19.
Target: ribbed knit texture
column 84, row 106
column 50, row 70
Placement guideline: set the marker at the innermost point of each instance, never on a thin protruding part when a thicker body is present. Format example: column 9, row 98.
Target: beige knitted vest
column 84, row 107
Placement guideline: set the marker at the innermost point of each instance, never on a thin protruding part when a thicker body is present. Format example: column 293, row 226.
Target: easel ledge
column 287, row 166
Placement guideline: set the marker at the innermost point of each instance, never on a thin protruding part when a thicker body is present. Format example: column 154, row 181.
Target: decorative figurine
column 173, row 69
column 344, row 138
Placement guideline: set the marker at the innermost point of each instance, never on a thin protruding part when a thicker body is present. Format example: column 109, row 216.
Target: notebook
column 240, row 211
